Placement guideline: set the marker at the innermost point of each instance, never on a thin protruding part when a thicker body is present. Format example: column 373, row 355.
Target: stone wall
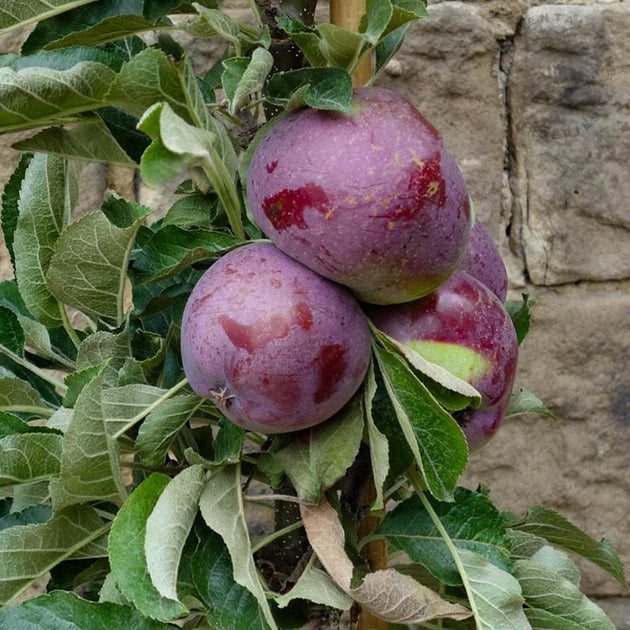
column 534, row 102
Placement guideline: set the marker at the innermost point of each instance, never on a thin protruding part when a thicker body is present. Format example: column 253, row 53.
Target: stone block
column 576, row 359
column 568, row 94
column 618, row 609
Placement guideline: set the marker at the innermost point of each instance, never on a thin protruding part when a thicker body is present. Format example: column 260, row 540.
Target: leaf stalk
column 154, row 405
column 418, row 485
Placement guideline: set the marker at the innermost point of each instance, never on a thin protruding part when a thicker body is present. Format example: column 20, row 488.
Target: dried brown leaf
column 387, row 594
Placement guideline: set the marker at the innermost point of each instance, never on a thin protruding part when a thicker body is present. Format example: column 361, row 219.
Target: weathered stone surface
column 618, row 609
column 576, row 360
column 569, row 90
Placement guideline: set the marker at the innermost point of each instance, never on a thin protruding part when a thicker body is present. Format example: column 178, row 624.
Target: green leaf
column 36, row 96
column 126, row 48
column 229, row 443
column 11, row 333
column 10, row 199
column 123, row 127
column 122, row 404
column 12, row 425
column 557, row 602
column 315, row 585
column 230, row 605
column 29, row 516
column 192, row 211
column 18, row 395
column 28, row 551
column 88, row 268
column 377, row 16
column 340, row 46
column 17, row 13
column 172, row 249
column 63, row 609
column 150, row 77
column 544, row 620
column 437, row 442
column 520, row 313
column 179, row 146
column 49, row 191
column 64, row 59
column 406, row 11
column 127, row 556
column 458, row 391
column 252, row 79
column 90, row 468
column 216, row 23
column 472, row 523
column 525, row 402
column 168, row 527
column 233, row 69
column 87, row 141
column 53, row 343
column 315, row 459
column 221, row 506
column 30, row 495
column 307, row 39
column 495, row 595
column 60, row 420
column 320, row 88
column 96, row 25
column 29, row 457
column 76, row 381
column 555, row 528
column 104, row 346
column 196, row 96
column 161, row 426
column 523, row 545
column 154, row 9
column 557, row 561
column 387, row 48
column 379, row 447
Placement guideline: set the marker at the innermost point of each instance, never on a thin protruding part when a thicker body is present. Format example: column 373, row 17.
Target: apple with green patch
column 463, row 327
column 274, row 345
column 371, row 199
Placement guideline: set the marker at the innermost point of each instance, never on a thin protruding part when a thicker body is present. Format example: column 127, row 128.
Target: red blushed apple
column 463, row 327
column 275, row 346
column 371, row 200
column 483, row 261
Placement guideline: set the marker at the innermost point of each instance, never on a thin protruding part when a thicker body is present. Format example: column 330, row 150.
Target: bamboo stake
column 348, row 13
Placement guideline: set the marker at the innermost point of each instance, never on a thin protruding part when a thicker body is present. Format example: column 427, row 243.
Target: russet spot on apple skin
column 273, row 344
column 371, row 200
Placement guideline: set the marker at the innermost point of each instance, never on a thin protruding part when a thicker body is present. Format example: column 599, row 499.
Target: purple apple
column 463, row 327
column 371, row 200
column 274, row 345
column 483, row 261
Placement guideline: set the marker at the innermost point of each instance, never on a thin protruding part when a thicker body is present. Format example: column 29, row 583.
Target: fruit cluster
column 368, row 215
